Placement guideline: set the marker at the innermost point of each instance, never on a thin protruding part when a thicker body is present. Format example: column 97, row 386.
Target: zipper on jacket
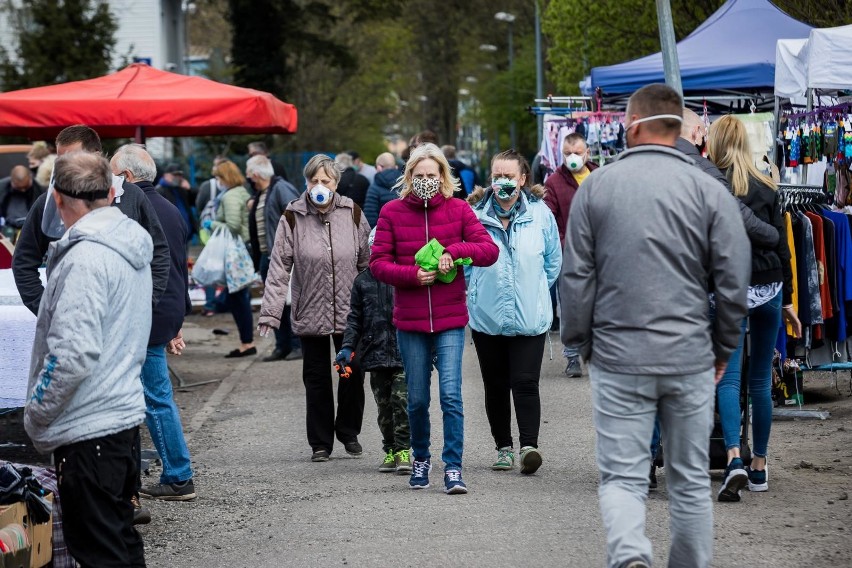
column 333, row 280
column 428, row 288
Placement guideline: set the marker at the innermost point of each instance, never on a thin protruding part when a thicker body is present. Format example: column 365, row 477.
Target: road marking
column 223, row 390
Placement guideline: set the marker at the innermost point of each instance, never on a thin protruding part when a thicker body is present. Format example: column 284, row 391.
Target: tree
column 58, row 41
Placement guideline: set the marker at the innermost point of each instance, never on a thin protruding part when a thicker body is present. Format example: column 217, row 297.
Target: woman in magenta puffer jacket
column 430, row 315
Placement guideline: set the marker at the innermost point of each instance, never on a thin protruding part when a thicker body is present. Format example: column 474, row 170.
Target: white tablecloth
column 17, row 330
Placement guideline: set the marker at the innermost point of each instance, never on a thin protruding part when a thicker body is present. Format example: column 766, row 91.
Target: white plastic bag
column 209, row 267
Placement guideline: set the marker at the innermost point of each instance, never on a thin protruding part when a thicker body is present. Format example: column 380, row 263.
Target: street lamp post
column 509, row 19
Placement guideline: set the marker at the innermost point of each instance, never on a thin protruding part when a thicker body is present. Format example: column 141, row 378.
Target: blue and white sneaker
column 758, row 480
column 735, row 479
column 420, row 474
column 453, row 484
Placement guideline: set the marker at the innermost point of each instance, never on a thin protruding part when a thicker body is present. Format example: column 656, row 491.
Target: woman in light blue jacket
column 509, row 304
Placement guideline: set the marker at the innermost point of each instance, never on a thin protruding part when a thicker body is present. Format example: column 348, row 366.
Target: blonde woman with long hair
column 430, row 315
column 770, row 297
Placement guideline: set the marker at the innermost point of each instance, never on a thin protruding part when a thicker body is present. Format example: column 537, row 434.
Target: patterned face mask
column 425, row 188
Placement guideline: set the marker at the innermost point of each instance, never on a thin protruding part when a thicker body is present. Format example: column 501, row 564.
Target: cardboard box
column 40, row 551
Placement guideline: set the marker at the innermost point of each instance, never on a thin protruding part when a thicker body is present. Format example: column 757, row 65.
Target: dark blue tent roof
column 733, row 49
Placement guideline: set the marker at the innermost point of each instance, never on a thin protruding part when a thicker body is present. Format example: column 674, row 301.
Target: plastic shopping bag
column 239, row 268
column 427, row 258
column 209, row 267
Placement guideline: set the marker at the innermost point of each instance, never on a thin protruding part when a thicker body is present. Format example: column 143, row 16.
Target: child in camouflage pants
column 371, row 334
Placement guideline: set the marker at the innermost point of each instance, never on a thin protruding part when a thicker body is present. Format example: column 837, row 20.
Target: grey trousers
column 624, row 407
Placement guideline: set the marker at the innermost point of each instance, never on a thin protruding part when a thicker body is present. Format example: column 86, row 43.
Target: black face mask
column 703, row 146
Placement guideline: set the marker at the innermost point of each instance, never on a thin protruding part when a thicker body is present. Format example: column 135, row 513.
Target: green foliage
column 59, row 41
column 590, row 33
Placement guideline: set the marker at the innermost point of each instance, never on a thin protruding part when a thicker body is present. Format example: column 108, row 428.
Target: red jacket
column 561, row 187
column 404, row 226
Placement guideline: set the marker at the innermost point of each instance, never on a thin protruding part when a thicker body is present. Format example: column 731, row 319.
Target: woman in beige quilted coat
column 322, row 237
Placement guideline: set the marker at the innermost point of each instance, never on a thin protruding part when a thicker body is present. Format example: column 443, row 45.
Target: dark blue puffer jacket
column 380, row 192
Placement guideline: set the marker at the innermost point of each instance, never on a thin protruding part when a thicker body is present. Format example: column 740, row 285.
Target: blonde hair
column 230, row 174
column 324, row 163
column 728, row 147
column 429, row 151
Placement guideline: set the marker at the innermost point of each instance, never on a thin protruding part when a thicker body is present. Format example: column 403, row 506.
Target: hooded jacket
column 325, row 251
column 561, row 188
column 369, row 326
column 646, row 236
column 91, row 334
column 381, row 192
column 511, row 297
column 404, row 227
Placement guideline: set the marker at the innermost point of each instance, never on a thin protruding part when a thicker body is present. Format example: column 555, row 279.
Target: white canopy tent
column 820, row 62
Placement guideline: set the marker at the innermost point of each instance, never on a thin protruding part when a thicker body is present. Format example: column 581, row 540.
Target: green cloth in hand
column 427, row 258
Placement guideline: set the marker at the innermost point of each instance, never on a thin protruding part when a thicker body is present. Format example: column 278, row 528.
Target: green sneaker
column 505, row 459
column 530, row 460
column 403, row 462
column 388, row 464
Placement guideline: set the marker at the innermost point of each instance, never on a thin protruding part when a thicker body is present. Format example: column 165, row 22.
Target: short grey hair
column 343, row 161
column 136, row 160
column 321, row 162
column 261, row 166
column 82, row 174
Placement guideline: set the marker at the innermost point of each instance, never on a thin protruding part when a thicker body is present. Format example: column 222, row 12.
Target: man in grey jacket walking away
column 647, row 238
column 86, row 400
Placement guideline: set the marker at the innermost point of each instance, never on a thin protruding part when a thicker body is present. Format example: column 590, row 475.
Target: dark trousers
column 319, row 394
column 96, row 479
column 391, row 393
column 240, row 305
column 511, row 365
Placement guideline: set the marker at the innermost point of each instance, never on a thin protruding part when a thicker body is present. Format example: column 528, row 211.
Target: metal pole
column 539, row 72
column 512, row 133
column 668, row 45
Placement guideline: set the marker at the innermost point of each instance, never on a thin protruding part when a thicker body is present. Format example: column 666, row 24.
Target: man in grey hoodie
column 85, row 398
column 647, row 237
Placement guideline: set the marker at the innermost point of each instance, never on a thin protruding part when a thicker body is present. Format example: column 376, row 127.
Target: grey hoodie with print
column 92, row 333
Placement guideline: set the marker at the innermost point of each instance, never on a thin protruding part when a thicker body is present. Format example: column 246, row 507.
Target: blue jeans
column 163, row 418
column 417, row 350
column 764, row 323
column 624, row 408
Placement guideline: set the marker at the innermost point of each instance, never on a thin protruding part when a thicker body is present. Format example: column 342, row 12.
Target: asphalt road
column 262, row 503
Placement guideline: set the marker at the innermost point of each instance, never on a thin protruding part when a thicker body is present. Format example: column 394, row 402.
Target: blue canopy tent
column 734, row 49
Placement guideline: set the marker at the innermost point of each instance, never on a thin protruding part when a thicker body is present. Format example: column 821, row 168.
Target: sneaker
column 183, row 491
column 636, row 564
column 453, row 484
column 530, row 460
column 141, row 515
column 505, row 459
column 652, row 478
column 320, row 455
column 757, row 480
column 735, row 479
column 420, row 474
column 573, row 369
column 388, row 464
column 403, row 462
column 353, row 448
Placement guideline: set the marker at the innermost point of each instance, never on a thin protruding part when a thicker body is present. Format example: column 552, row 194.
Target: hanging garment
column 819, row 251
column 808, row 255
column 801, row 270
column 788, row 224
column 843, row 241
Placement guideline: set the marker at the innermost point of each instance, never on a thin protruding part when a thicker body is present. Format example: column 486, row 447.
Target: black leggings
column 511, row 364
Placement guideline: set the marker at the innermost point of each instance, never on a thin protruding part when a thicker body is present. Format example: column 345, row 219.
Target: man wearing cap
column 646, row 236
column 175, row 188
column 85, row 398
